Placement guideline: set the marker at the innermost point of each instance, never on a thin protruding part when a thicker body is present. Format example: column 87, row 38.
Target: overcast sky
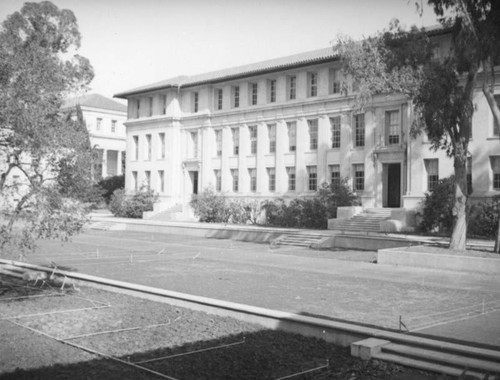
column 131, row 43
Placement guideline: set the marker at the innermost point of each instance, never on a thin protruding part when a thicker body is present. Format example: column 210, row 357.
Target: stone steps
column 299, row 240
column 368, row 221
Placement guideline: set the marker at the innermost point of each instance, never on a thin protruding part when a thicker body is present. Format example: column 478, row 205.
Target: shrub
column 483, row 219
column 437, row 215
column 209, row 206
column 336, row 194
column 109, row 185
column 132, row 206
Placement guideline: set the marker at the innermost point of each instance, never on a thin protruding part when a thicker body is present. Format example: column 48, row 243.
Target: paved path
column 323, row 283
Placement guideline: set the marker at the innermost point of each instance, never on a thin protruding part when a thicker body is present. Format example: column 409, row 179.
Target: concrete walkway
column 329, row 284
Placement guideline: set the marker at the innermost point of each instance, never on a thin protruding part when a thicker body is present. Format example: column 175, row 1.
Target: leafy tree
column 438, row 204
column 46, row 149
column 440, row 88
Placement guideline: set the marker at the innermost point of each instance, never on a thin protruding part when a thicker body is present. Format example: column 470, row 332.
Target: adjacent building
column 281, row 127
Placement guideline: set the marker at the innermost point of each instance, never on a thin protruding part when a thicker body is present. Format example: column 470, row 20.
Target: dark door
column 195, row 182
column 394, row 185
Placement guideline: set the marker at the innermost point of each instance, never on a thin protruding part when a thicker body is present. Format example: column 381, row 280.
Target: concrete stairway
column 368, row 221
column 164, row 215
column 441, row 357
column 299, row 240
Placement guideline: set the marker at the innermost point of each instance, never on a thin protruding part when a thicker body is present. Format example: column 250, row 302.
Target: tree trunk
column 497, row 241
column 459, row 235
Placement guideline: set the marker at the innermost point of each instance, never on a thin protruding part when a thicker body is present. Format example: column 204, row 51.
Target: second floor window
column 392, row 127
column 164, row 104
column 292, row 87
column 292, row 136
column 253, row 93
column 195, row 102
column 313, row 84
column 113, row 126
column 236, row 96
column 359, row 130
column 272, row 90
column 253, row 139
column 98, row 124
column 334, row 81
column 150, row 106
column 271, row 128
column 313, row 134
column 236, row 140
column 138, row 108
column 218, row 142
column 218, row 98
column 335, row 126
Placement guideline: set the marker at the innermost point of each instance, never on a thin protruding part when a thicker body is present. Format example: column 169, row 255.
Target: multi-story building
column 105, row 119
column 280, row 128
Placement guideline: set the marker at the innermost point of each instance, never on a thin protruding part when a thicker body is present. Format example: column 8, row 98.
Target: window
column 113, row 126
column 392, row 127
column 218, row 142
column 271, row 175
column 138, row 108
column 432, row 169
column 253, row 93
column 235, row 132
column 292, row 136
column 313, row 84
column 272, row 90
column 253, row 139
column 234, row 174
column 236, row 96
column 291, row 178
column 469, row 175
column 134, row 181
column 496, row 127
column 218, row 180
column 98, row 124
column 164, row 104
column 313, row 134
column 253, row 179
column 161, row 180
column 334, row 174
column 218, row 99
column 195, row 101
column 148, row 147
column 292, row 87
column 359, row 125
column 313, row 178
column 147, row 179
column 334, row 81
column 495, row 166
column 359, row 177
column 335, row 127
column 135, row 140
column 194, row 144
column 271, row 128
column 161, row 137
column 150, row 106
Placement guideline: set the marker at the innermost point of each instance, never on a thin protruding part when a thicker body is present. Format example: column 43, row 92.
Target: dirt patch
column 55, row 334
column 452, row 252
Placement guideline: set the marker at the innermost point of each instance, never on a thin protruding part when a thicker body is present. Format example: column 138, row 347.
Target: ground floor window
column 432, row 168
column 312, row 173
column 291, row 178
column 495, row 165
column 359, row 177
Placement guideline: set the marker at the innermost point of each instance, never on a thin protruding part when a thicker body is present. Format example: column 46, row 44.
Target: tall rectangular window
column 234, row 174
column 359, row 133
column 98, row 124
column 469, row 175
column 148, row 147
column 218, row 98
column 253, row 139
column 312, row 174
column 292, row 87
column 359, row 177
column 161, row 180
column 218, row 142
column 313, row 134
column 147, row 179
column 253, row 179
column 290, row 171
column 253, row 93
column 135, row 140
column 235, row 132
column 195, row 101
column 392, row 127
column 113, row 126
column 313, row 84
column 218, row 180
column 292, row 136
column 496, row 127
column 495, row 167
column 334, row 174
column 161, row 137
column 271, row 129
column 432, row 169
column 135, row 184
column 164, row 104
column 271, row 176
column 334, row 81
column 194, row 144
column 236, row 96
column 150, row 106
column 335, row 127
column 272, row 90
column 138, row 108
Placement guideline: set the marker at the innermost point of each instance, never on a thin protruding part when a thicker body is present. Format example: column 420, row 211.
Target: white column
column 119, row 162
column 281, row 149
column 104, row 163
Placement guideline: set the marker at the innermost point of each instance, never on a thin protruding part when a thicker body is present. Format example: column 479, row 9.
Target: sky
column 131, row 43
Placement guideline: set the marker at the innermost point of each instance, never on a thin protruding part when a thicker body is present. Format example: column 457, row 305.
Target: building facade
column 105, row 120
column 282, row 127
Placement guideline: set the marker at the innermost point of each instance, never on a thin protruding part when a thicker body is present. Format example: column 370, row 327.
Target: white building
column 279, row 128
column 105, row 122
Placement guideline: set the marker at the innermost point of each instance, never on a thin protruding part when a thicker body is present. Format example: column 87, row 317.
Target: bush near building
column 109, row 185
column 483, row 218
column 132, row 206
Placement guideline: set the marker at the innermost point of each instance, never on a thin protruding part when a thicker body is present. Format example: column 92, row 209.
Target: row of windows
column 99, row 125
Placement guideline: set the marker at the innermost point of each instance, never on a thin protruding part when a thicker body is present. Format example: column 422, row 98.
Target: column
column 281, row 149
column 104, row 163
column 119, row 162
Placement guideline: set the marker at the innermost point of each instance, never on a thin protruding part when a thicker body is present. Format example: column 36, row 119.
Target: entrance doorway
column 393, row 185
column 193, row 175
